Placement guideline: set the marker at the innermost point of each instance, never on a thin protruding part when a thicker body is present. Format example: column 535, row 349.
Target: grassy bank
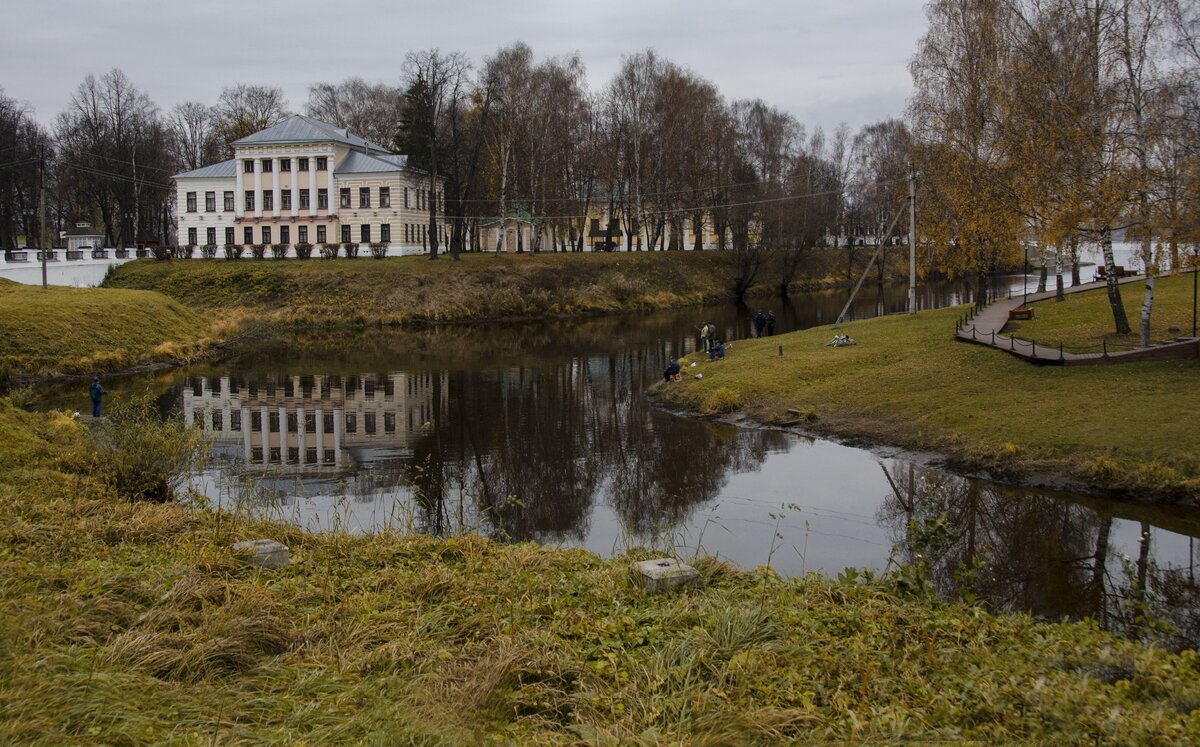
column 131, row 623
column 480, row 286
column 909, row 383
column 1084, row 320
column 74, row 331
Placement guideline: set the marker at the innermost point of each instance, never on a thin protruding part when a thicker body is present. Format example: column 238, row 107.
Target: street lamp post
column 1025, row 279
column 1195, row 269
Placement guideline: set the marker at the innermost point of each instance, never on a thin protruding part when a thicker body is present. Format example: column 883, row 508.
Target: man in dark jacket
column 760, row 321
column 97, row 392
column 671, row 370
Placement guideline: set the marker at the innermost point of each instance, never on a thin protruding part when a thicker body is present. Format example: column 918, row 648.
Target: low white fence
column 74, row 267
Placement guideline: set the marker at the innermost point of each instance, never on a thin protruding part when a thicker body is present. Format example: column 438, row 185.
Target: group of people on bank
column 762, row 325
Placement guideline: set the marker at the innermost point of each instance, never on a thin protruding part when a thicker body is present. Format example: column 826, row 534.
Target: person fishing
column 97, row 393
column 671, row 371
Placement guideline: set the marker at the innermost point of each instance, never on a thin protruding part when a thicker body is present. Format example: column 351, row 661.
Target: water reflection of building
column 312, row 423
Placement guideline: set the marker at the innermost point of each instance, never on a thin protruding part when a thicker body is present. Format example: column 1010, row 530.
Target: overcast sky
column 825, row 61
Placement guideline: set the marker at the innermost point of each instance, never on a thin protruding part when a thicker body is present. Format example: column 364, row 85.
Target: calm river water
column 541, row 431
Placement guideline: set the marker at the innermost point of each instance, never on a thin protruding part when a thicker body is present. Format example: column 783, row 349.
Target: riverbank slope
column 908, row 383
column 63, row 331
column 132, row 623
column 402, row 290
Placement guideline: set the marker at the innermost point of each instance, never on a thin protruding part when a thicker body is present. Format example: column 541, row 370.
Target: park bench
column 1022, row 314
column 1101, row 274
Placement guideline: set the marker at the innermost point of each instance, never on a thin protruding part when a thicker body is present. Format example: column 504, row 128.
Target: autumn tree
column 244, row 109
column 373, row 111
column 195, row 139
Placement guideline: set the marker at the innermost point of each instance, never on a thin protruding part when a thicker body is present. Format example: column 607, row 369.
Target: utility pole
column 42, row 210
column 912, row 239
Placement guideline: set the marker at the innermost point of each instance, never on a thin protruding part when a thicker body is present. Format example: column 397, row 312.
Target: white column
column 275, row 178
column 257, row 187
column 329, row 178
column 238, row 190
column 312, row 188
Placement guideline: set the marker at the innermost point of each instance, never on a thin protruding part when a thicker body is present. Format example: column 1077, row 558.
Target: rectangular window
column 389, row 422
column 322, row 199
column 310, row 455
column 273, row 421
column 256, row 455
column 228, row 202
column 346, row 234
column 274, row 454
column 302, row 234
column 406, row 197
column 385, row 197
column 248, row 165
column 364, row 197
column 322, row 163
column 369, row 388
column 217, row 421
column 293, row 422
column 211, row 236
column 235, row 420
column 369, row 423
column 249, row 200
column 351, row 423
column 285, row 164
column 191, row 202
column 247, row 235
column 327, row 422
column 285, row 199
column 293, row 455
column 385, row 233
column 320, row 234
column 192, row 237
column 229, row 234
column 268, row 200
column 406, row 239
column 364, row 233
column 302, row 164
column 329, row 456
column 285, row 234
column 266, row 165
column 266, row 234
column 256, row 421
column 304, row 199
column 345, row 197
column 310, row 422
column 210, row 202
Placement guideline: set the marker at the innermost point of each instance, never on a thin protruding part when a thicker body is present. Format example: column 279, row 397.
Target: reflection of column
column 283, row 430
column 265, row 432
column 338, row 414
column 300, row 442
column 319, row 417
column 246, row 433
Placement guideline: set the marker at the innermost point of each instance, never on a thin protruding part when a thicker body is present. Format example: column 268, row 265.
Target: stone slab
column 263, row 552
column 663, row 574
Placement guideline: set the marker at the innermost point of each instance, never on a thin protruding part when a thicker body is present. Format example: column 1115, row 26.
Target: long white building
column 303, row 181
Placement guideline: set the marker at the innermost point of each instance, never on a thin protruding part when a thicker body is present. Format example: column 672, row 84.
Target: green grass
column 64, row 331
column 1083, row 321
column 127, row 623
column 481, row 286
column 909, row 383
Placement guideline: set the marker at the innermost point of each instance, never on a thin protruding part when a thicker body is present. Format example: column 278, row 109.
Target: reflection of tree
column 1012, row 552
column 1034, row 553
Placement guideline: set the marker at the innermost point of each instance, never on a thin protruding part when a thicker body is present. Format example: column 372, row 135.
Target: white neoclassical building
column 303, row 181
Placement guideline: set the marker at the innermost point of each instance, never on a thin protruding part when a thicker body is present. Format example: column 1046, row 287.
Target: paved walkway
column 988, row 324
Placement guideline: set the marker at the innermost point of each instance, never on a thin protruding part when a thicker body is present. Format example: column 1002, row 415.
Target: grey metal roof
column 222, row 169
column 301, row 129
column 87, row 231
column 361, row 163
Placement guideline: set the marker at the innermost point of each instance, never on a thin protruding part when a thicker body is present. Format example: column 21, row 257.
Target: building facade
column 305, row 182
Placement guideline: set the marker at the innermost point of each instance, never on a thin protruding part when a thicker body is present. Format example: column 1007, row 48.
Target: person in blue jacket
column 97, row 392
column 671, row 370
